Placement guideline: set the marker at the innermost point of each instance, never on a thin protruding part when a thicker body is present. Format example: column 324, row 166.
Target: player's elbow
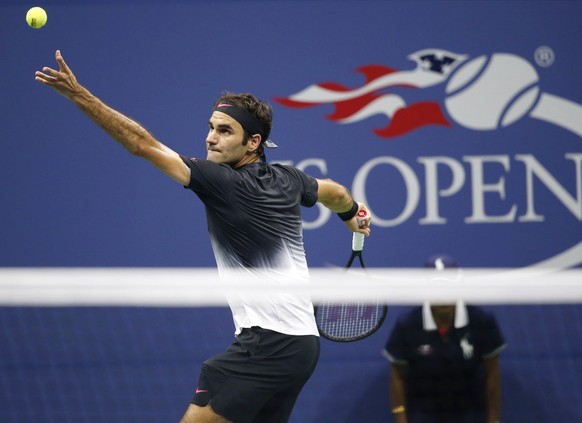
column 135, row 150
column 333, row 195
column 140, row 149
column 341, row 197
column 140, row 142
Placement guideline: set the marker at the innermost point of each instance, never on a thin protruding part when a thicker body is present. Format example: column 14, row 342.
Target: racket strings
column 348, row 321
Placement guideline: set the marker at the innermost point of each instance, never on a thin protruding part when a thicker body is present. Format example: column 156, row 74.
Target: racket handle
column 357, row 241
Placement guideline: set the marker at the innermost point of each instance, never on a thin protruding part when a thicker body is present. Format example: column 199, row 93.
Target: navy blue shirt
column 445, row 373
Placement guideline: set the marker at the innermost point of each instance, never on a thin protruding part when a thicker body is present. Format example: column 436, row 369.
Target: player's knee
column 196, row 414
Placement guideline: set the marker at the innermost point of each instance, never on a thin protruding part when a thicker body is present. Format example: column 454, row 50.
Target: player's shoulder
column 283, row 167
column 204, row 163
column 290, row 171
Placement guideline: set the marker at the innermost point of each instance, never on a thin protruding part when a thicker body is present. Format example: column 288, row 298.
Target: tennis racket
column 350, row 322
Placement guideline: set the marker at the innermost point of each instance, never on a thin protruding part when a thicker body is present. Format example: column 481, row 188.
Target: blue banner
column 457, row 122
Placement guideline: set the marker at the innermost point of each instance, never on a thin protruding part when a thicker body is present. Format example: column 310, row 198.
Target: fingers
column 50, row 76
column 62, row 65
column 361, row 221
column 47, row 76
column 62, row 80
column 365, row 223
column 43, row 77
column 366, row 231
column 364, row 216
column 364, row 219
column 50, row 72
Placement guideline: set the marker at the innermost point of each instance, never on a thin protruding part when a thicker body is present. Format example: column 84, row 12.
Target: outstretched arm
column 130, row 134
column 338, row 199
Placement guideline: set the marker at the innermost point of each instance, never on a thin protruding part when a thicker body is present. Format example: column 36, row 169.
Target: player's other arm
column 397, row 392
column 130, row 134
column 338, row 199
column 493, row 389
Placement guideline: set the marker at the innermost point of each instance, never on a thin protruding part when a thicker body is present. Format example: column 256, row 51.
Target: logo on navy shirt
column 425, row 350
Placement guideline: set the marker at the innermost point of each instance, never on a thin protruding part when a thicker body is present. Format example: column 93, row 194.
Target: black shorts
column 260, row 376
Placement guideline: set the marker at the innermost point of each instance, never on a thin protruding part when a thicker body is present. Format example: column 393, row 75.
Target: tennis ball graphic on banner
column 36, row 17
column 486, row 94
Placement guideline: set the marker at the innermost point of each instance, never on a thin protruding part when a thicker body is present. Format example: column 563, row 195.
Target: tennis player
column 253, row 211
column 445, row 359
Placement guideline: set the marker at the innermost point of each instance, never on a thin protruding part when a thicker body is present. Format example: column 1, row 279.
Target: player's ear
column 253, row 143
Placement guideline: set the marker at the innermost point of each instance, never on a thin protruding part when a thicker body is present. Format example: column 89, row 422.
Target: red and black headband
column 247, row 120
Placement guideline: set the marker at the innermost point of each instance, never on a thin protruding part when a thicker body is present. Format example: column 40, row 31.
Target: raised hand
column 62, row 81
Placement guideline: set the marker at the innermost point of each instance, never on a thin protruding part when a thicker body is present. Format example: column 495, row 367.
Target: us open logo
column 484, row 93
column 488, row 93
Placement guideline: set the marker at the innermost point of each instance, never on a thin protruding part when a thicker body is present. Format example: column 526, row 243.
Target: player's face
column 224, row 142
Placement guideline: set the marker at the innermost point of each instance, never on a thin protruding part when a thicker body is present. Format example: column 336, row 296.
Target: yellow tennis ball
column 36, row 17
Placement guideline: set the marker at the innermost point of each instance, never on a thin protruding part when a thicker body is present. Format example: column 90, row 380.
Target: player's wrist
column 348, row 215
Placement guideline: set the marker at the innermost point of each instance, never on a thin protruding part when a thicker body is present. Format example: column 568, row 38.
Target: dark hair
column 261, row 110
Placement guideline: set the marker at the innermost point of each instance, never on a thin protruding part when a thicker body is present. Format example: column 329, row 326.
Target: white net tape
column 202, row 287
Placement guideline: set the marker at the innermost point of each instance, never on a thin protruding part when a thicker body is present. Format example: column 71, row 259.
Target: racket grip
column 357, row 241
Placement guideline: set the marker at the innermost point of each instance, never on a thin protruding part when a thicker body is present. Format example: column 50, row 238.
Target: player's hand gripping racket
column 350, row 322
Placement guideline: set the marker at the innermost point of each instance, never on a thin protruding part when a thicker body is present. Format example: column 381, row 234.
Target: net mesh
column 136, row 360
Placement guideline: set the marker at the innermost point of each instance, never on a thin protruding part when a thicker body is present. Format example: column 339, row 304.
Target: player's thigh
column 196, row 414
column 279, row 407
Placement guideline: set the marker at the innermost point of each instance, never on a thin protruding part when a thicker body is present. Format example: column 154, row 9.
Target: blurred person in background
column 445, row 359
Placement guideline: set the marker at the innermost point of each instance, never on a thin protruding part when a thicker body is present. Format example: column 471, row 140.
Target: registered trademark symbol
column 544, row 56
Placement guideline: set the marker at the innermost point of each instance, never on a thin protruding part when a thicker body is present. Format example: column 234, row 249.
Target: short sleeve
column 208, row 178
column 310, row 195
column 494, row 342
column 308, row 185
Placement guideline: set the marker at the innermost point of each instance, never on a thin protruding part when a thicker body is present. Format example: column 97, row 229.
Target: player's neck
column 253, row 158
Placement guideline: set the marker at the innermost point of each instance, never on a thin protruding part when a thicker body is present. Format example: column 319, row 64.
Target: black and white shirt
column 254, row 221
